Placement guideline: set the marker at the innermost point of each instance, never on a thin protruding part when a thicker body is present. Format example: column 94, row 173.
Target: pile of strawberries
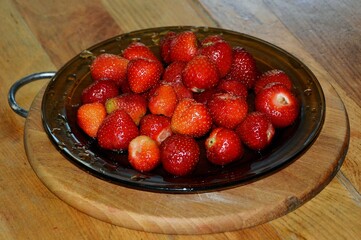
column 155, row 108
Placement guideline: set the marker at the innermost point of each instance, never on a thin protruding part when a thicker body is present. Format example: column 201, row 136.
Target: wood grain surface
column 43, row 35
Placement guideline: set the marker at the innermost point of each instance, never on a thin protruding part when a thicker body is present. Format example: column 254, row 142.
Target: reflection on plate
column 62, row 98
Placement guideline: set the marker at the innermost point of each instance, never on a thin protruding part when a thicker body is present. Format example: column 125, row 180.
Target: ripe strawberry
column 116, row 131
column 200, row 74
column 279, row 104
column 99, row 91
column 155, row 126
column 191, row 118
column 227, row 110
column 124, row 87
column 243, row 67
column 179, row 154
column 163, row 100
column 143, row 74
column 183, row 47
column 181, row 91
column 219, row 51
column 173, row 72
column 274, row 76
column 223, row 146
column 256, row 131
column 234, row 87
column 204, row 97
column 137, row 50
column 133, row 104
column 165, row 43
column 90, row 116
column 143, row 153
column 110, row 67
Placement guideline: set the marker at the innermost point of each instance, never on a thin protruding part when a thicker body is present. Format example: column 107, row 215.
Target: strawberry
column 163, row 100
column 234, row 87
column 181, row 91
column 227, row 110
column 173, row 72
column 204, row 97
column 90, row 116
column 124, row 87
column 243, row 67
column 155, row 126
column 179, row 154
column 219, row 51
column 133, row 104
column 183, row 47
column 191, row 118
column 143, row 74
column 99, row 91
column 165, row 43
column 223, row 146
column 116, row 131
column 212, row 39
column 109, row 66
column 143, row 153
column 137, row 50
column 256, row 131
column 279, row 104
column 274, row 76
column 200, row 74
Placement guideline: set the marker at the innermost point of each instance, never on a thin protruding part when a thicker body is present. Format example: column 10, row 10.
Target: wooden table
column 43, row 35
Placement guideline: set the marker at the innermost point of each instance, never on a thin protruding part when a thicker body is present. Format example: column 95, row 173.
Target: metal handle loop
column 18, row 84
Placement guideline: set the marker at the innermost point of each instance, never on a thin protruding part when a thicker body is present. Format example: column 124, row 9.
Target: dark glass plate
column 62, row 98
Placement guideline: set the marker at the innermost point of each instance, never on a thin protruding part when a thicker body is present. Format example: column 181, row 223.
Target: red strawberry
column 137, row 50
column 109, row 66
column 219, row 51
column 234, row 87
column 155, row 126
column 205, row 96
column 191, row 118
column 143, row 153
column 124, row 87
column 279, row 104
column 212, row 39
column 243, row 67
column 256, row 131
column 143, row 74
column 183, row 47
column 223, row 146
column 116, row 131
column 99, row 91
column 165, row 43
column 173, row 72
column 90, row 116
column 179, row 154
column 227, row 110
column 163, row 100
column 200, row 74
column 274, row 76
column 133, row 104
column 181, row 90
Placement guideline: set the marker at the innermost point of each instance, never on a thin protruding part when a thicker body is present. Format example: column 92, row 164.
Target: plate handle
column 18, row 84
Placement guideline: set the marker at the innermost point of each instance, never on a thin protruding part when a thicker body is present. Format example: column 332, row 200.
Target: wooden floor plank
column 156, row 14
column 301, row 224
column 73, row 32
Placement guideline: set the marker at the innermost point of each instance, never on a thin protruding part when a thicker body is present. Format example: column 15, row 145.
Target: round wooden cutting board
column 198, row 213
